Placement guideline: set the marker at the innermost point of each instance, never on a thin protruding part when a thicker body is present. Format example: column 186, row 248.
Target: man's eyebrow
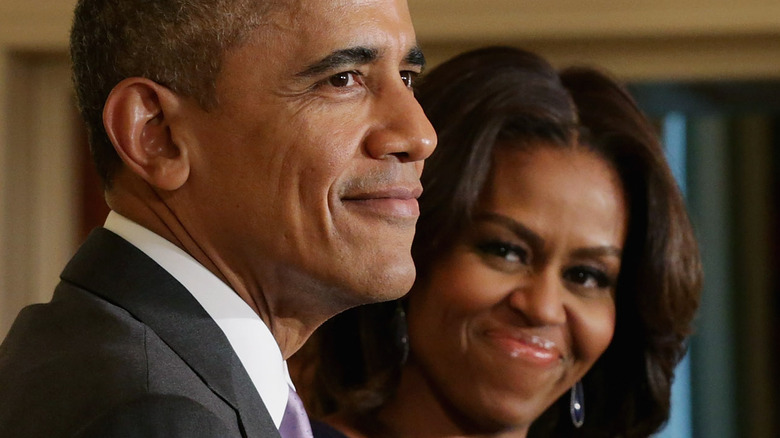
column 339, row 59
column 415, row 57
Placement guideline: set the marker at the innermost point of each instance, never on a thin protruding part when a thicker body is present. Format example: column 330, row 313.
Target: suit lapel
column 117, row 271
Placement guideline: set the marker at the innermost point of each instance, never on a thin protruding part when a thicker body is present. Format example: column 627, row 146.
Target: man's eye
column 343, row 79
column 409, row 77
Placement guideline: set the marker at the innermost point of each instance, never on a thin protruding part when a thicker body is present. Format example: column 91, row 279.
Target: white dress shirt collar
column 250, row 337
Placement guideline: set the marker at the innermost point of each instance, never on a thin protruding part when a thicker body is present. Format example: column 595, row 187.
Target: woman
column 557, row 270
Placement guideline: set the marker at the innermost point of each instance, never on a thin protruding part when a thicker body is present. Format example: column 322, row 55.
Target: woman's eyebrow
column 599, row 251
column 520, row 230
column 537, row 241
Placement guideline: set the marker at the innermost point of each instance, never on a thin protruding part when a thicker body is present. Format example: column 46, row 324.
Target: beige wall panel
column 530, row 19
column 5, row 216
column 35, row 24
column 712, row 58
column 39, row 182
column 658, row 39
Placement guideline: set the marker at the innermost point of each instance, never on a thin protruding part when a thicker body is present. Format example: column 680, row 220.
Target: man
column 262, row 162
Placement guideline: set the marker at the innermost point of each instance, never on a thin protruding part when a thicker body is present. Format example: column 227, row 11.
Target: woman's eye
column 588, row 277
column 343, row 79
column 506, row 251
column 409, row 77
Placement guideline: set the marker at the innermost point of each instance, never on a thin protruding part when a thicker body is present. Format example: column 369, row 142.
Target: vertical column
column 675, row 144
column 753, row 234
column 39, row 181
column 16, row 187
column 713, row 367
column 54, row 176
column 4, row 182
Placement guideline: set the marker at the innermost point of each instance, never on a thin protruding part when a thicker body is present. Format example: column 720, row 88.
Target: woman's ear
column 137, row 118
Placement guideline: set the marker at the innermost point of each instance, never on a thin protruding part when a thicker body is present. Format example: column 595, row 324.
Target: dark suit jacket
column 123, row 350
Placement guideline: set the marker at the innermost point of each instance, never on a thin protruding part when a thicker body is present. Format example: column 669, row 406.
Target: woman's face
column 523, row 304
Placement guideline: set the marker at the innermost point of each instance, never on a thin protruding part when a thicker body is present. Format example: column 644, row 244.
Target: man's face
column 308, row 169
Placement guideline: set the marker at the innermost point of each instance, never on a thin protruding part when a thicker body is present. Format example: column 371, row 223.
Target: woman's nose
column 540, row 299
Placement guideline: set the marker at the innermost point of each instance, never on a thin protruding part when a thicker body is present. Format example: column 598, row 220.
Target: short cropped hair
column 177, row 43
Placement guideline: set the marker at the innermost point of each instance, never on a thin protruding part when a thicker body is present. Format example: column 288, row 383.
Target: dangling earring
column 577, row 404
column 401, row 331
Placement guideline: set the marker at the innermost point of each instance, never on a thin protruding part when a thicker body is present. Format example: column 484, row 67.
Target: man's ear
column 137, row 117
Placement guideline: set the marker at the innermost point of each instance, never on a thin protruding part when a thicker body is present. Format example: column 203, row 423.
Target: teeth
column 544, row 343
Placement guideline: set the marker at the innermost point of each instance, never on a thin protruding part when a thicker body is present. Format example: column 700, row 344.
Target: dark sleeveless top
column 322, row 430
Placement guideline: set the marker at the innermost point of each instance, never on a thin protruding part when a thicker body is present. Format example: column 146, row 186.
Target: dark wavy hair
column 176, row 43
column 512, row 98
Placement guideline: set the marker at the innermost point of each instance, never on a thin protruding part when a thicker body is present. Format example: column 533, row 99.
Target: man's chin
column 377, row 285
column 391, row 284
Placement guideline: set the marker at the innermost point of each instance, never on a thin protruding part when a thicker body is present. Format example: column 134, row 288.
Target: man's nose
column 401, row 128
column 540, row 299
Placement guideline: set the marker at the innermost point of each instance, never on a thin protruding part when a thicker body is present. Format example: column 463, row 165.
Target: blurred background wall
column 707, row 71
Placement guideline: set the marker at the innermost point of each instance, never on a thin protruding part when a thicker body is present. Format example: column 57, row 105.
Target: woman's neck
column 419, row 410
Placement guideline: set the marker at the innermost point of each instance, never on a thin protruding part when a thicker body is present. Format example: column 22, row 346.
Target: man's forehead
column 313, row 4
column 320, row 27
column 298, row 8
column 323, row 15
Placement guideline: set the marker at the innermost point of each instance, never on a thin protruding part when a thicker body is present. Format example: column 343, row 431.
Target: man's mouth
column 398, row 201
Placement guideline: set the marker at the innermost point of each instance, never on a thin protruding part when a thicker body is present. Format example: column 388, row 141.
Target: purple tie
column 295, row 422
